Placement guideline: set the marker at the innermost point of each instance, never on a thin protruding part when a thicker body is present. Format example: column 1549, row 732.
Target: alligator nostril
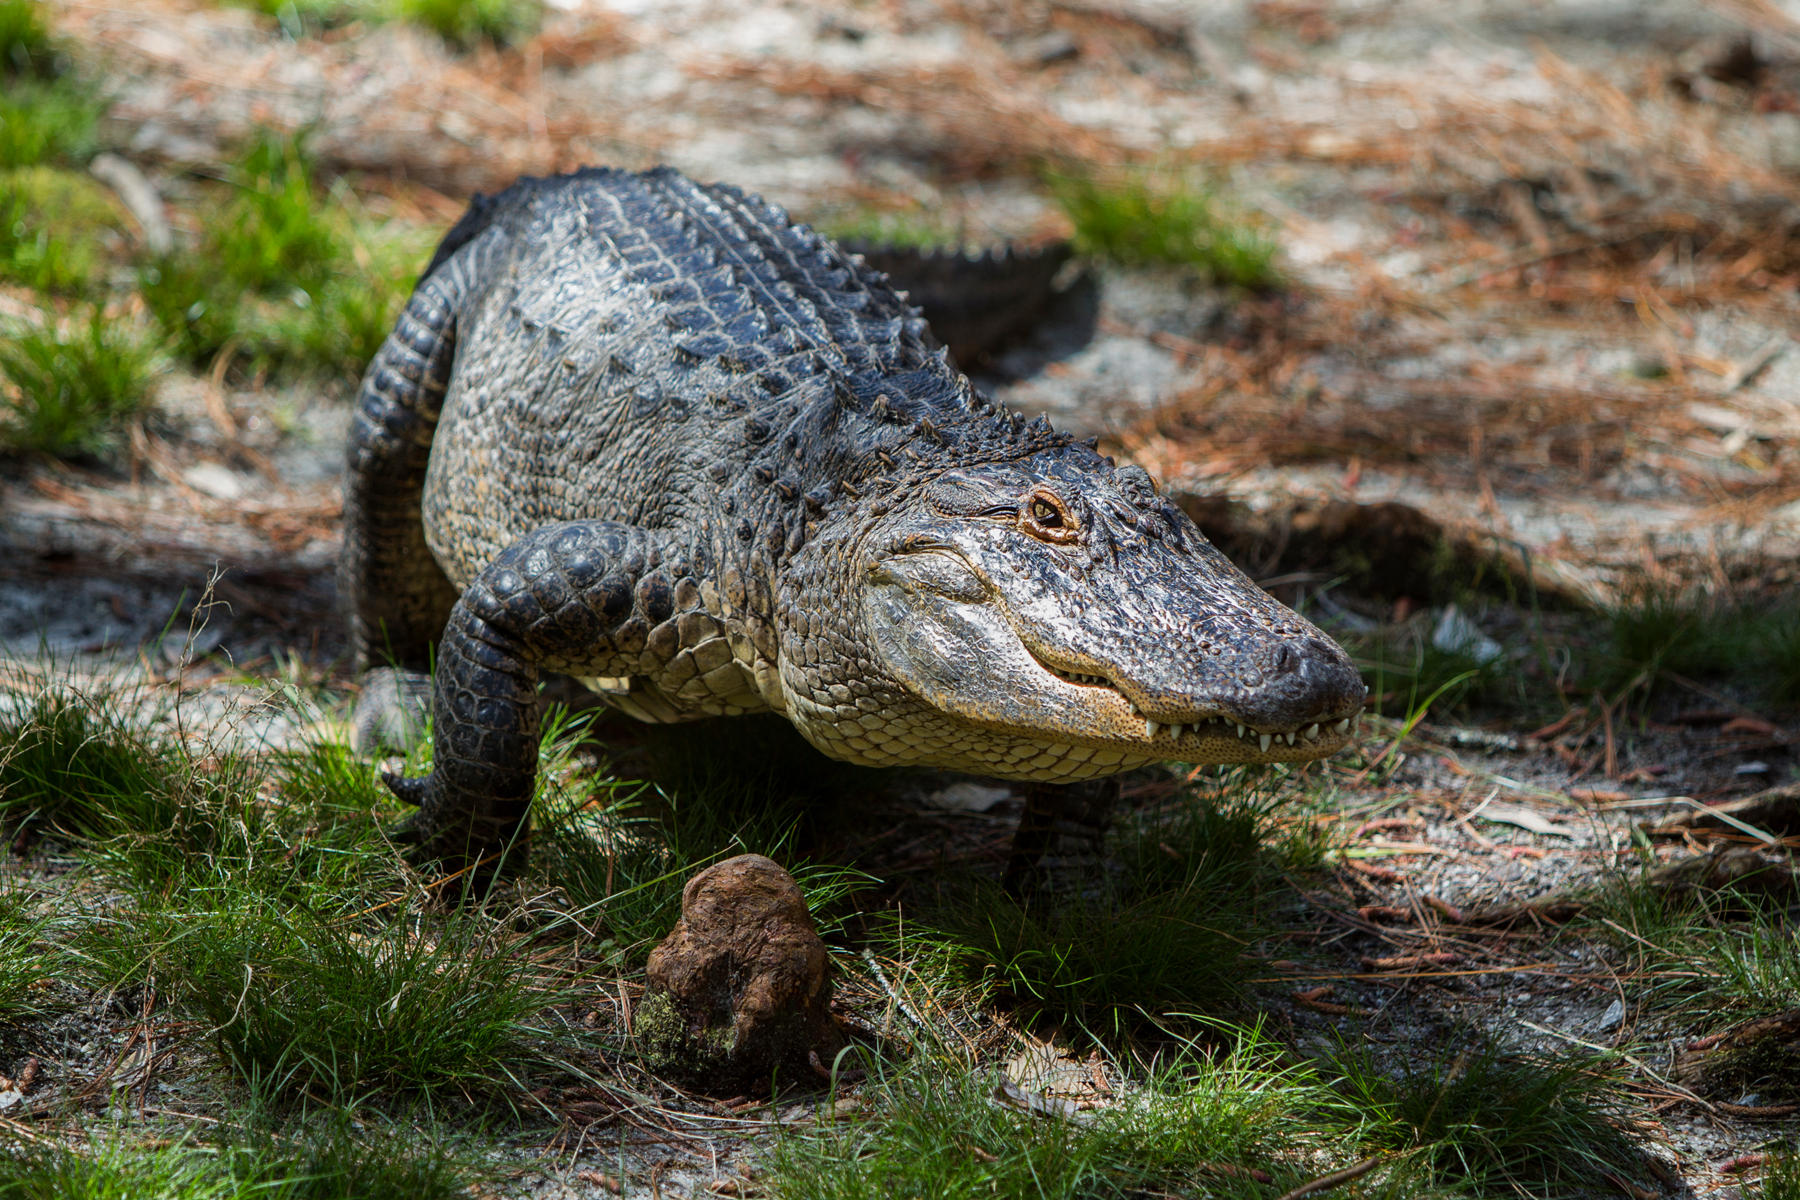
column 1284, row 661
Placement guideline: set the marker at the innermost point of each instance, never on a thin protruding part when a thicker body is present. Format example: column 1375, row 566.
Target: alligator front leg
column 582, row 598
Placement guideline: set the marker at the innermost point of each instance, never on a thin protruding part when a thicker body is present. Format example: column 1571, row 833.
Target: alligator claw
column 410, row 790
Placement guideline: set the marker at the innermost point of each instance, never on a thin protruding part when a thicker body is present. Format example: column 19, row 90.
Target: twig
column 140, row 198
column 1746, row 370
column 1325, row 1182
column 893, row 993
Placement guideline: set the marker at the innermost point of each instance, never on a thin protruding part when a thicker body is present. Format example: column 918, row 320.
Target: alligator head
column 1051, row 617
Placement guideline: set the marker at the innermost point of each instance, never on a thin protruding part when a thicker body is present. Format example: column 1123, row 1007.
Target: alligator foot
column 479, row 843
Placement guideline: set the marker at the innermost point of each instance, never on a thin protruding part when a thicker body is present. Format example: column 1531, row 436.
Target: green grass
column 1749, row 642
column 302, row 1002
column 300, row 18
column 1780, row 1176
column 326, row 1161
column 48, row 121
column 462, row 23
column 621, row 850
column 914, row 228
column 26, row 47
column 71, row 761
column 264, row 899
column 286, row 277
column 465, row 23
column 1405, row 669
column 1169, row 922
column 47, row 113
column 1527, row 1125
column 58, row 229
column 67, row 388
column 1720, row 958
column 1166, row 218
column 25, row 962
column 1756, row 965
column 1192, row 1124
column 292, row 931
column 279, row 235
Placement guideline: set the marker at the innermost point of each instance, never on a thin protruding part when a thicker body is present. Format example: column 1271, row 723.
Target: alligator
column 656, row 436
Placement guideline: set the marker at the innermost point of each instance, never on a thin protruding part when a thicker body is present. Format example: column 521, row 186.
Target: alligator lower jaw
column 1333, row 733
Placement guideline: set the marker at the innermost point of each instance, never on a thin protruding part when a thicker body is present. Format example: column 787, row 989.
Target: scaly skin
column 650, row 434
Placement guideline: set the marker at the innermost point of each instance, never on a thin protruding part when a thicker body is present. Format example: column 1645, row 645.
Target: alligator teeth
column 1150, row 727
column 1263, row 739
column 1242, row 731
column 1311, row 732
column 1341, row 725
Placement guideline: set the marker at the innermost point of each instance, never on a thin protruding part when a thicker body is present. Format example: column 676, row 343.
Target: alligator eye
column 1047, row 518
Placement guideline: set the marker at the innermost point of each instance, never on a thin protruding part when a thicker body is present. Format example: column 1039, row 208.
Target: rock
column 738, row 992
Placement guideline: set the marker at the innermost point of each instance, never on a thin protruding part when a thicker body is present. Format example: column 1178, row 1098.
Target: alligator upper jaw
column 1307, row 739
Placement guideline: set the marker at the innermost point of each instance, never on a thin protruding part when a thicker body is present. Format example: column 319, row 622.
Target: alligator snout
column 1278, row 685
column 1308, row 680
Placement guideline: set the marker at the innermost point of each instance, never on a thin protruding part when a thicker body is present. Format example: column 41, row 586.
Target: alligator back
column 637, row 346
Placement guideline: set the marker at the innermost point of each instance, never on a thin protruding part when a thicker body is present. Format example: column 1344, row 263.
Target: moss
column 669, row 1045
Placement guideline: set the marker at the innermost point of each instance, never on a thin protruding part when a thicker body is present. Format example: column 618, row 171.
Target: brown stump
column 738, row 991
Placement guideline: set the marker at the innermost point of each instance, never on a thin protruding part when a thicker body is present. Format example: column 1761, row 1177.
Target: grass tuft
column 278, row 236
column 1781, row 1176
column 303, row 18
column 1752, row 642
column 1169, row 924
column 623, row 849
column 286, row 278
column 918, row 229
column 1532, row 1125
column 70, row 761
column 329, row 1161
column 24, row 964
column 1196, row 1123
column 26, row 48
column 68, row 391
column 467, row 23
column 1168, row 218
column 300, row 1002
column 57, row 229
column 464, row 24
column 48, row 121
